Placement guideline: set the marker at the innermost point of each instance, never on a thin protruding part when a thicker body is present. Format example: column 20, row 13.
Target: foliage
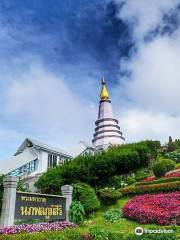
column 98, row 169
column 142, row 174
column 175, row 156
column 86, row 195
column 162, row 209
column 113, row 215
column 163, row 166
column 150, row 236
column 76, row 213
column 130, row 180
column 99, row 234
column 117, row 181
column 161, row 180
column 153, row 188
column 171, row 146
column 109, row 195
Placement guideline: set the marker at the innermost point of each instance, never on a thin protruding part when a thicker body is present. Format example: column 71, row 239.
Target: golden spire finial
column 104, row 95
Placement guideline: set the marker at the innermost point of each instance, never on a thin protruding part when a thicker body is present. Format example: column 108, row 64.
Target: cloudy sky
column 54, row 53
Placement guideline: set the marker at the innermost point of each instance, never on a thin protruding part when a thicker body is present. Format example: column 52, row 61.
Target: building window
column 52, row 160
column 27, row 168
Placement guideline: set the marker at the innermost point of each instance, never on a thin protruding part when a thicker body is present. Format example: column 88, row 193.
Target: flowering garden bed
column 173, row 174
column 37, row 227
column 162, row 209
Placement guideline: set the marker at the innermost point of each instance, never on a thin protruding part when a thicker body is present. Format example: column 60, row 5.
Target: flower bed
column 171, row 174
column 38, row 227
column 162, row 209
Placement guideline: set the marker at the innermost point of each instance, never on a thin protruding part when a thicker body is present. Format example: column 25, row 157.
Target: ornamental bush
column 163, row 166
column 162, row 209
column 153, row 188
column 86, row 195
column 109, row 196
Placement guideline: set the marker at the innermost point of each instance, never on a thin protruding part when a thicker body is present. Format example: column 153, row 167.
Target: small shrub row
column 162, row 180
column 153, row 188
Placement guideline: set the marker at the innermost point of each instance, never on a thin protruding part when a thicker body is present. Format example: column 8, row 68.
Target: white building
column 32, row 159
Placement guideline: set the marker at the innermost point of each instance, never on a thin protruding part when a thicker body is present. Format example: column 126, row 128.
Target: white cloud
column 151, row 96
column 155, row 80
column 140, row 125
column 43, row 102
column 145, row 14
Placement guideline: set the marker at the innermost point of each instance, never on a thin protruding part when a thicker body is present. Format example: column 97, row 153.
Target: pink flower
column 162, row 209
column 38, row 227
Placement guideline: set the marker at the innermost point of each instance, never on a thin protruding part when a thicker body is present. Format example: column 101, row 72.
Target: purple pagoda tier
column 107, row 131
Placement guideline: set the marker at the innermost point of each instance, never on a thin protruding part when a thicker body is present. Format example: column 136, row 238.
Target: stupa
column 107, row 130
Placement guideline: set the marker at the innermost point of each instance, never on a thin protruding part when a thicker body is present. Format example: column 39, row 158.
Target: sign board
column 39, row 206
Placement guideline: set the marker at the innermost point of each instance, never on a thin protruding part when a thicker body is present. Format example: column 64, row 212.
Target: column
column 9, row 199
column 67, row 192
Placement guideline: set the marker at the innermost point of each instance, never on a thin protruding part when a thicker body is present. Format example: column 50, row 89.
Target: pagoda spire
column 104, row 95
column 107, row 130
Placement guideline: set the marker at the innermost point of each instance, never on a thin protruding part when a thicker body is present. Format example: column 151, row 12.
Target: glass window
column 52, row 160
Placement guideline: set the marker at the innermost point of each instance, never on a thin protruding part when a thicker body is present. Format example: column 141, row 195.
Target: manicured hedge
column 109, row 196
column 98, row 169
column 162, row 180
column 153, row 188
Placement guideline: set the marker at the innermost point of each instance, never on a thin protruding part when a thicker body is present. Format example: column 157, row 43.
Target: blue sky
column 54, row 53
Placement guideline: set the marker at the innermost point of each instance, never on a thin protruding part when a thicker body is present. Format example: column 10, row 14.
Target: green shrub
column 98, row 169
column 99, row 234
column 72, row 235
column 153, row 188
column 161, row 180
column 109, row 196
column 130, row 180
column 117, row 181
column 175, row 156
column 76, row 213
column 86, row 195
column 113, row 215
column 142, row 174
column 163, row 166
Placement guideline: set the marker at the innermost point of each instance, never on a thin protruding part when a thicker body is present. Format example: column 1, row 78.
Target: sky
column 53, row 55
